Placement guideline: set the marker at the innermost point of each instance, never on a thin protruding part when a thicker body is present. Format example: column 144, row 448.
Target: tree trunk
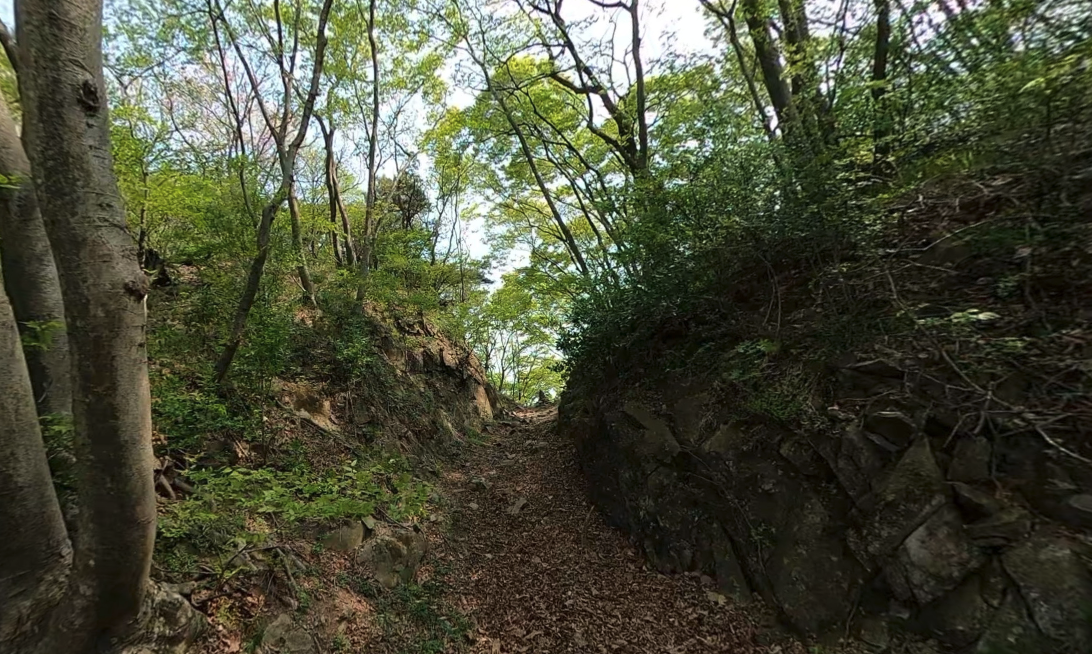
column 30, row 276
column 250, row 291
column 881, row 130
column 566, row 234
column 769, row 61
column 34, row 552
column 572, row 248
column 811, row 103
column 796, row 34
column 346, row 227
column 373, row 145
column 338, row 262
column 68, row 141
column 297, row 239
column 331, row 193
column 727, row 19
column 639, row 89
column 337, row 206
column 287, row 153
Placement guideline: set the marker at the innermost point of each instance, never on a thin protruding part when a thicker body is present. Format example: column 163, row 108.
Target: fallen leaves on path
column 537, row 569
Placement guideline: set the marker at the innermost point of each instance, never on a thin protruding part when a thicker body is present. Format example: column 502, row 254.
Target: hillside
column 391, row 502
column 506, row 326
column 264, row 490
column 891, row 444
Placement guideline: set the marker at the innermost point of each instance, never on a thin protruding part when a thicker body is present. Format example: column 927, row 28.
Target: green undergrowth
column 289, row 483
column 970, row 273
column 249, row 506
column 256, row 475
column 416, row 618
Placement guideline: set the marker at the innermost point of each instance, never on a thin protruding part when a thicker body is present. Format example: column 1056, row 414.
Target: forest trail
column 537, row 569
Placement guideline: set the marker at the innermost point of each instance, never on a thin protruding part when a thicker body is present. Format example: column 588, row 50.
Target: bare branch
column 216, row 13
column 316, row 77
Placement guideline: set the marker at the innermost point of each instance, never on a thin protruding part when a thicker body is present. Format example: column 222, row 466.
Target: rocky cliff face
column 446, row 375
column 886, row 516
column 423, row 391
column 914, row 486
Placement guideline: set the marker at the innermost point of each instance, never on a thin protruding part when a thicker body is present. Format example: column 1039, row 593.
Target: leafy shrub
column 186, row 413
column 38, row 334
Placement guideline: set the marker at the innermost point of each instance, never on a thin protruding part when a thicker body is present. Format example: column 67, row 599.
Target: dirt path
column 536, row 568
column 518, row 562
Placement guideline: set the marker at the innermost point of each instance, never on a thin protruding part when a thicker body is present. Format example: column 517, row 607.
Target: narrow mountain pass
column 536, row 568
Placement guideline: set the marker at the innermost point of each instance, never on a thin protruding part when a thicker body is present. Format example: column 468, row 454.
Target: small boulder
column 283, row 636
column 393, row 556
column 894, row 427
column 858, row 462
column 937, row 556
column 1056, row 586
column 975, row 504
column 970, row 460
column 913, row 492
column 346, row 538
column 1007, row 526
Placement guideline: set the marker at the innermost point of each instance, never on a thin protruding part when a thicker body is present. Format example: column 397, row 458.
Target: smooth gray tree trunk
column 67, row 132
column 34, row 550
column 30, row 277
column 85, row 590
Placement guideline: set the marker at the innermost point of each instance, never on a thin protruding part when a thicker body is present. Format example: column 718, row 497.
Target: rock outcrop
column 884, row 516
column 392, row 556
column 388, row 554
column 440, row 383
column 417, row 390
